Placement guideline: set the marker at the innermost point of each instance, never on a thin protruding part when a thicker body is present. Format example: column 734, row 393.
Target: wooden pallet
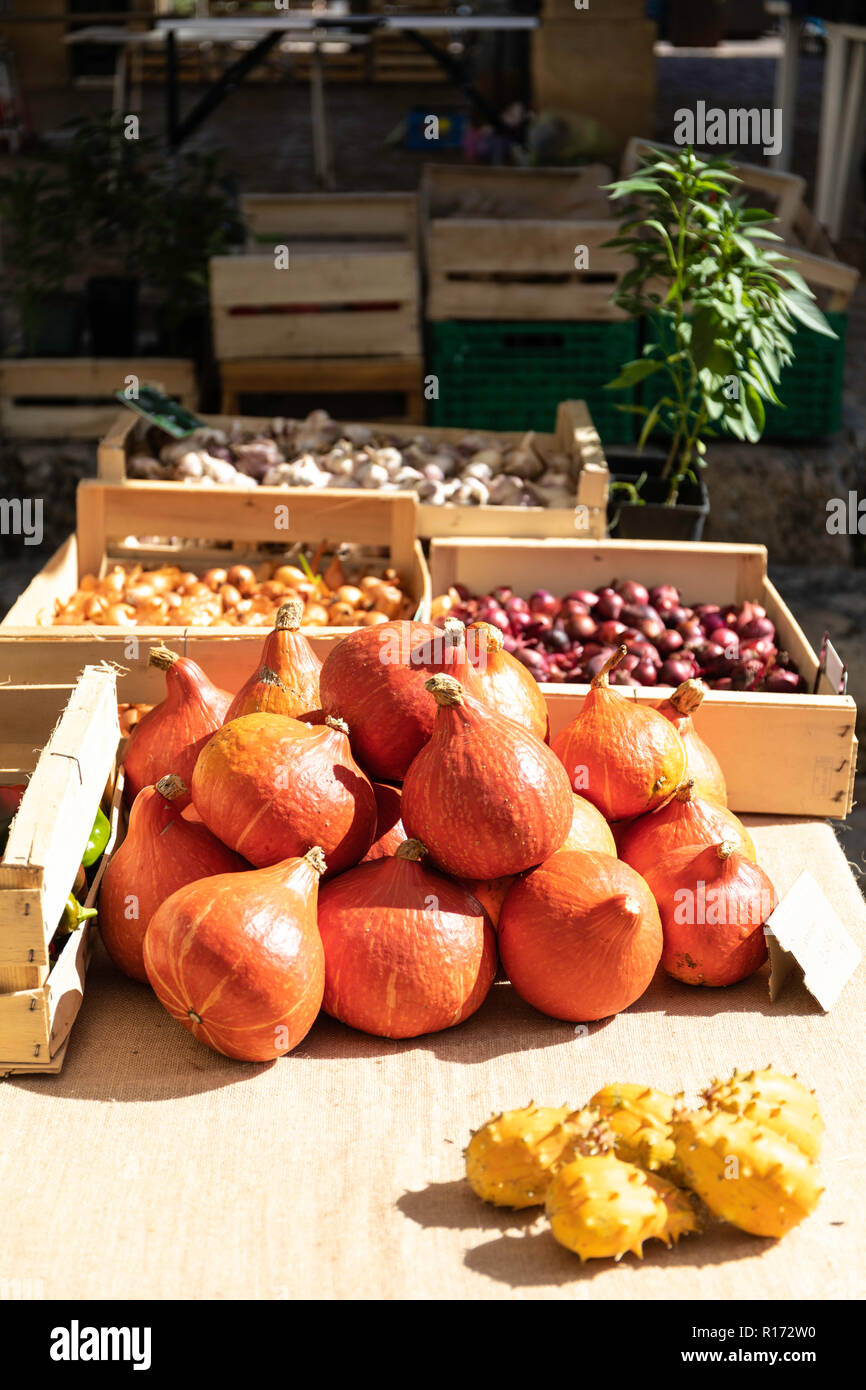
column 523, row 260
column 324, row 376
column 66, row 783
column 790, row 755
column 349, row 289
column 575, row 438
column 73, row 397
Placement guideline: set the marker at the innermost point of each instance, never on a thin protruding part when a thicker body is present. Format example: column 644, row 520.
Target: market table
column 154, row 1168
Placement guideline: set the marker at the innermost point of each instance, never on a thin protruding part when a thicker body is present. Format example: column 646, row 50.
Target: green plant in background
column 721, row 306
column 36, row 230
column 190, row 218
column 109, row 181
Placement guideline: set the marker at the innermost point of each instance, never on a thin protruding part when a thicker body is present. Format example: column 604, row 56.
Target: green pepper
column 73, row 915
column 98, row 839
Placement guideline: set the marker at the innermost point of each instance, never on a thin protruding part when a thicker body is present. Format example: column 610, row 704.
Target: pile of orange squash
column 376, row 835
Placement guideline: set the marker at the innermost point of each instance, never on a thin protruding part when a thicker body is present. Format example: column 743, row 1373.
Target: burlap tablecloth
column 153, row 1168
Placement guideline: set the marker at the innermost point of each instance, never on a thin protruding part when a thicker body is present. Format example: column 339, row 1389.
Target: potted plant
column 188, row 221
column 109, row 181
column 719, row 307
column 36, row 232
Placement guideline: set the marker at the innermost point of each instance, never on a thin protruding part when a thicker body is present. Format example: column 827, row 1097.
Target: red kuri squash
column 163, row 851
column 589, row 829
column 687, row 819
column 375, row 679
column 286, row 681
column 624, row 757
column 505, row 683
column 407, row 951
column 389, row 827
column 580, row 936
column 271, row 787
column 701, row 762
column 238, row 960
column 485, row 795
column 171, row 736
column 713, row 903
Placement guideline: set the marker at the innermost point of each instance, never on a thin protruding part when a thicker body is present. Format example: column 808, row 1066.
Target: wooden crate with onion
column 781, row 754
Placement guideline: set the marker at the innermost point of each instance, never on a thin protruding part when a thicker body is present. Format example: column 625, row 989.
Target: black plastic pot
column 57, row 329
column 112, row 314
column 653, row 520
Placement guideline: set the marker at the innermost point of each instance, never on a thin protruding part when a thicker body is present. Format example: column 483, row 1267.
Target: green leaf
column 808, row 313
column 649, row 424
column 633, row 372
column 754, row 416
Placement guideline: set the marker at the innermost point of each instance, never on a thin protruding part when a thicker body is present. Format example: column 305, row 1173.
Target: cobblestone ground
column 771, row 494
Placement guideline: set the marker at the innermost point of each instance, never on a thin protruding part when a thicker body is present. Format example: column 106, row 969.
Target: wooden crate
column 781, row 754
column 575, row 437
column 350, row 288
column 66, row 783
column 73, row 397
column 322, row 377
column 519, row 266
column 108, row 514
column 371, row 219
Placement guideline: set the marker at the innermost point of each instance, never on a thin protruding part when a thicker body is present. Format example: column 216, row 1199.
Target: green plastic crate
column 512, row 376
column 810, row 388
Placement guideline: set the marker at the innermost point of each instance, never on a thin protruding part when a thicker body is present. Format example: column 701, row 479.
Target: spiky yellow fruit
column 681, row 1218
column 640, row 1118
column 773, row 1101
column 511, row 1159
column 601, row 1207
column 746, row 1174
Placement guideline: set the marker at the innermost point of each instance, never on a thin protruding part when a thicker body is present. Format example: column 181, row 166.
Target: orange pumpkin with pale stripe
column 270, row 787
column 238, row 960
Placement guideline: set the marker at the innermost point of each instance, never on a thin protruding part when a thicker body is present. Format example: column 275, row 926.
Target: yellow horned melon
column 601, row 1207
column 774, row 1101
column 640, row 1118
column 746, row 1174
column 511, row 1159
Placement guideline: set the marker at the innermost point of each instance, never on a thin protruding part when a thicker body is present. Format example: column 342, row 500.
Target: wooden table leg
column 787, row 74
column 321, row 152
column 831, row 112
column 851, row 123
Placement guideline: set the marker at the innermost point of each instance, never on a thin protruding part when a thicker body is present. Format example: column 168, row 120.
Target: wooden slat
column 533, row 303
column 107, row 511
column 324, row 335
column 63, row 379
column 725, row 573
column 781, row 754
column 482, row 245
column 48, row 835
column 326, row 277
column 345, row 217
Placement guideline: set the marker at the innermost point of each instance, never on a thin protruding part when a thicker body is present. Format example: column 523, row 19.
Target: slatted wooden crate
column 522, row 260
column 350, row 287
column 109, row 514
column 781, row 754
column 73, row 397
column 575, row 437
column 67, row 772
